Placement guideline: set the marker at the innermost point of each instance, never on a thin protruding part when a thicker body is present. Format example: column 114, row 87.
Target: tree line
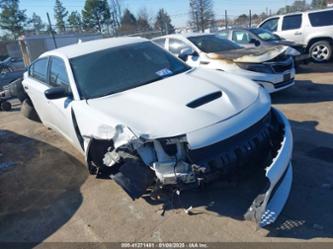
column 302, row 5
column 105, row 16
column 96, row 16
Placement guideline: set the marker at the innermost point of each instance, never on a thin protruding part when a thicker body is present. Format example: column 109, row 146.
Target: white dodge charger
column 134, row 108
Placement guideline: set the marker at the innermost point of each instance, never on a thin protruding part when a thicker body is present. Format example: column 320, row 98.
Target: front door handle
column 26, row 88
column 298, row 33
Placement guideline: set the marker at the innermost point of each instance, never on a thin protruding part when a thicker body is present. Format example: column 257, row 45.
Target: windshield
column 118, row 69
column 265, row 35
column 213, row 43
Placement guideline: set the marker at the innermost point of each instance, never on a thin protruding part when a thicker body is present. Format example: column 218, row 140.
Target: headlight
column 255, row 67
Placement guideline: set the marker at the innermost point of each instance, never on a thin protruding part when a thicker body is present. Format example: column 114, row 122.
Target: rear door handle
column 298, row 33
column 26, row 88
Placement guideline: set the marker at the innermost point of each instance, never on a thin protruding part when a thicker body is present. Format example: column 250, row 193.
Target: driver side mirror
column 186, row 52
column 57, row 93
column 255, row 42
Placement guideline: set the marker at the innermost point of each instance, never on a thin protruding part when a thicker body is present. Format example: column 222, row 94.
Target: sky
column 177, row 9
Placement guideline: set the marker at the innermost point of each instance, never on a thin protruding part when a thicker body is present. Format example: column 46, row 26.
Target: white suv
column 313, row 29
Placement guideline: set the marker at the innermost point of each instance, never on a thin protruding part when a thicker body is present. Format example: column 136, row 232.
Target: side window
column 160, row 42
column 321, row 18
column 271, row 24
column 242, row 37
column 175, row 45
column 58, row 73
column 223, row 34
column 292, row 22
column 38, row 70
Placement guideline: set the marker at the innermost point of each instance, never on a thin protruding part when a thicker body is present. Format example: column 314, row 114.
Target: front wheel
column 321, row 51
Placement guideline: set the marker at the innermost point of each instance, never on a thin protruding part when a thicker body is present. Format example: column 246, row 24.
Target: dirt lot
column 46, row 193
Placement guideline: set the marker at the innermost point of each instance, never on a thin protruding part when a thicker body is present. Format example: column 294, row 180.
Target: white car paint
column 154, row 111
column 306, row 32
column 265, row 80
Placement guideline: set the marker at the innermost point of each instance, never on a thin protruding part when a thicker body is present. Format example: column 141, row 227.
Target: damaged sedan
column 272, row 67
column 153, row 122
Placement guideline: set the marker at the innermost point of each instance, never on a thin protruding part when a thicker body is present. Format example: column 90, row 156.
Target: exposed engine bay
column 143, row 165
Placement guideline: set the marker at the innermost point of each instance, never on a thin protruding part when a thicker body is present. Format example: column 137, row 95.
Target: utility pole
column 197, row 21
column 166, row 27
column 226, row 19
column 51, row 30
column 250, row 19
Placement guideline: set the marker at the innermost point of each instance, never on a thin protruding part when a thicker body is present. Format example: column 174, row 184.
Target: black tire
column 6, row 106
column 321, row 51
column 28, row 110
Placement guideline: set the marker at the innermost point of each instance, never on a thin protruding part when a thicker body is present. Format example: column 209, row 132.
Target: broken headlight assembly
column 256, row 67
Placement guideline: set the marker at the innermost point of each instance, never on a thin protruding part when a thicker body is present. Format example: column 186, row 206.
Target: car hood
column 250, row 55
column 179, row 104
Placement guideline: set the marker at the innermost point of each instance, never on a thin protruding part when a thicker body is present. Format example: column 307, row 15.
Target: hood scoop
column 204, row 100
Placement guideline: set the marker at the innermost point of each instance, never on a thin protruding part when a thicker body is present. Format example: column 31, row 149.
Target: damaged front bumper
column 265, row 147
column 266, row 208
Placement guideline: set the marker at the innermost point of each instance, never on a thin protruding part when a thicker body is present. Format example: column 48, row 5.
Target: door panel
column 61, row 108
column 291, row 28
column 35, row 85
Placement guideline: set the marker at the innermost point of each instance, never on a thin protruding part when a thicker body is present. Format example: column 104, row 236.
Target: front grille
column 283, row 83
column 256, row 146
column 280, row 68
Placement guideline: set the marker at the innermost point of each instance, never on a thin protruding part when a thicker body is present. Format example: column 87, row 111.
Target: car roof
column 183, row 35
column 88, row 47
column 299, row 12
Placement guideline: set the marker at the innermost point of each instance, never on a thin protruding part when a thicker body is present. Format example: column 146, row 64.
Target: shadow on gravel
column 304, row 91
column 316, row 68
column 38, row 194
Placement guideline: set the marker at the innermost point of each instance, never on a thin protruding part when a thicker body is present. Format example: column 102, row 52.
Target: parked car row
column 256, row 37
column 271, row 67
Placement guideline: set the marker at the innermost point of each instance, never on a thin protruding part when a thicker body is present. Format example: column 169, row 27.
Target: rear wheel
column 321, row 51
column 28, row 110
column 6, row 106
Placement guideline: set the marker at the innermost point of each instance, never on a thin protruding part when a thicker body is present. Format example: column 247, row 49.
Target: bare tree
column 201, row 14
column 115, row 12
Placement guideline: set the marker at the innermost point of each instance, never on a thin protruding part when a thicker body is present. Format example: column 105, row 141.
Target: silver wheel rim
column 320, row 52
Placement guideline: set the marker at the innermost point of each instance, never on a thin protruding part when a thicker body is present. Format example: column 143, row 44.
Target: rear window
column 213, row 43
column 223, row 34
column 292, row 22
column 271, row 24
column 323, row 18
column 176, row 46
column 160, row 42
column 38, row 70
